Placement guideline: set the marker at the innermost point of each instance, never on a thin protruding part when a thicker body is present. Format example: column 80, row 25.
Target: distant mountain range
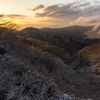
column 69, row 43
column 67, row 37
column 71, row 31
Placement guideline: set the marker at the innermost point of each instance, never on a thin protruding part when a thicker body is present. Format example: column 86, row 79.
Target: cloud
column 36, row 7
column 14, row 16
column 40, row 14
column 96, row 1
column 82, row 5
column 10, row 1
column 96, row 27
column 78, row 12
column 95, row 32
column 71, row 11
column 50, row 8
column 91, row 19
column 59, row 11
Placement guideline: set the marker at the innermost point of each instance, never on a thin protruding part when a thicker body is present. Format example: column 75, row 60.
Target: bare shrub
column 7, row 23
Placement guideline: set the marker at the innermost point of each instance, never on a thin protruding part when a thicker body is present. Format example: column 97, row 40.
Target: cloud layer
column 76, row 12
column 89, row 19
column 65, row 10
column 95, row 32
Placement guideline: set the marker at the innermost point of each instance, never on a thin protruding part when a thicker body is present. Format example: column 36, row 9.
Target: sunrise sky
column 52, row 13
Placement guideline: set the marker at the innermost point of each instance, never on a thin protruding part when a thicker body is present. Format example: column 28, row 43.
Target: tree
column 7, row 23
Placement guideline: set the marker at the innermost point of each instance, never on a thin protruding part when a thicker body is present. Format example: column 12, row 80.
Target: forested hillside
column 38, row 65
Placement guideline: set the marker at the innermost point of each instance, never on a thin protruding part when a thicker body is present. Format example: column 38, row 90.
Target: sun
column 1, row 11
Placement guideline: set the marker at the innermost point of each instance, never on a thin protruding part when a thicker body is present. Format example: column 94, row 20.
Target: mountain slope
column 92, row 52
column 36, row 67
column 24, row 71
column 90, row 57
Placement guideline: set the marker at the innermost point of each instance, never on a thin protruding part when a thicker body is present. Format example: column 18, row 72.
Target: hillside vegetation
column 37, row 65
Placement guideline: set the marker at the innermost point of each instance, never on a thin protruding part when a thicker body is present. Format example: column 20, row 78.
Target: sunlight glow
column 23, row 13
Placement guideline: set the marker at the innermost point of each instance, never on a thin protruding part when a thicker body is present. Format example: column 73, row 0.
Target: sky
column 51, row 13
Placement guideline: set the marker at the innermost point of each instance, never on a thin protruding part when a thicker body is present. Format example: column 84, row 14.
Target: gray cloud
column 82, row 5
column 91, row 10
column 37, row 7
column 58, row 11
column 50, row 8
column 96, row 1
column 73, row 10
column 66, row 10
column 41, row 14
